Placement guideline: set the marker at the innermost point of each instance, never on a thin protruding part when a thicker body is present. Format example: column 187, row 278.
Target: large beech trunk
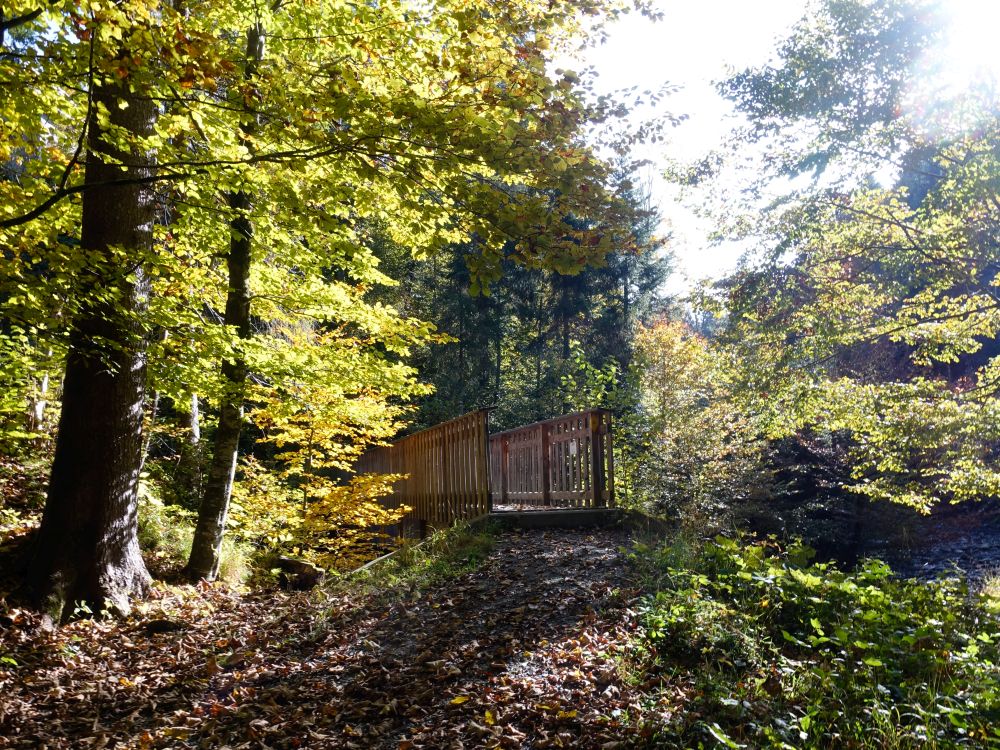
column 87, row 549
column 206, row 547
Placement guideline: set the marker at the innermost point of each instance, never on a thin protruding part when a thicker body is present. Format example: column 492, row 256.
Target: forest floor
column 526, row 647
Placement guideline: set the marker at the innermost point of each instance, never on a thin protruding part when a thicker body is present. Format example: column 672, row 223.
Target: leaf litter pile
column 524, row 651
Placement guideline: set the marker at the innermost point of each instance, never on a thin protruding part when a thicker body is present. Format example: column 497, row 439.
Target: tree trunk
column 206, row 546
column 37, row 401
column 194, row 422
column 151, row 412
column 150, row 422
column 87, row 548
column 627, row 298
column 189, row 466
column 536, row 304
column 499, row 364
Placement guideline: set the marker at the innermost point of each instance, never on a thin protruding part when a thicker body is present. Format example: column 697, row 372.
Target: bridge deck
column 558, row 518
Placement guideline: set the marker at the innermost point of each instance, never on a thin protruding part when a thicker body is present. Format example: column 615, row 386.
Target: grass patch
column 416, row 566
column 165, row 534
column 235, row 563
column 771, row 651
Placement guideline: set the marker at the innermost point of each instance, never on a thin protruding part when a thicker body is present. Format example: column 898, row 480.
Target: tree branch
column 63, row 193
column 10, row 23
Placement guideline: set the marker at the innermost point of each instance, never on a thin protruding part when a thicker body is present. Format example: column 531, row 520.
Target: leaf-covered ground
column 525, row 650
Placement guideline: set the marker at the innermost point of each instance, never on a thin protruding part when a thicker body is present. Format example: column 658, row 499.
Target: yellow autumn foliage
column 304, row 499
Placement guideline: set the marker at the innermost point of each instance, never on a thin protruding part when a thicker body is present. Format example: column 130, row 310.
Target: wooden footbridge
column 458, row 471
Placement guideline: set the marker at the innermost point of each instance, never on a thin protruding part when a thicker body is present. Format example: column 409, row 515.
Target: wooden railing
column 446, row 467
column 564, row 462
column 451, row 474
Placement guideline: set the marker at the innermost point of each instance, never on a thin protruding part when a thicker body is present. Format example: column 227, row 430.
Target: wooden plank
column 439, row 475
column 484, row 504
column 484, row 437
column 561, row 467
column 608, row 449
column 596, row 462
column 578, row 464
column 465, row 459
column 464, row 465
column 504, row 470
column 572, row 497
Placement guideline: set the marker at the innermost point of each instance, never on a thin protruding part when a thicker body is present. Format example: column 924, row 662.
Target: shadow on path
column 523, row 652
column 499, row 657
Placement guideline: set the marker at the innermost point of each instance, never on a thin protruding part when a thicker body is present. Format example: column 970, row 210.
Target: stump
column 299, row 575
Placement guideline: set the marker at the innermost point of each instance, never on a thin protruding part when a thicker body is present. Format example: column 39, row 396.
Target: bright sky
column 701, row 41
column 695, row 44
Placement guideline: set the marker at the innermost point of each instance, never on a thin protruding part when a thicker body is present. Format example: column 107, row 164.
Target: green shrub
column 787, row 654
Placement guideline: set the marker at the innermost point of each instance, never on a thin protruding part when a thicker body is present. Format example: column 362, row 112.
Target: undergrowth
column 989, row 587
column 22, row 492
column 772, row 651
column 165, row 535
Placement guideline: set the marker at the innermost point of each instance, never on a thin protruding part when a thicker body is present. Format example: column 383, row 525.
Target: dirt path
column 525, row 651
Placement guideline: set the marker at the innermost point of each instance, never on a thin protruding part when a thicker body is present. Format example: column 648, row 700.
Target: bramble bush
column 778, row 652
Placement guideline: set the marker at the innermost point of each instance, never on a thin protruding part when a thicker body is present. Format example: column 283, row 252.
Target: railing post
column 546, row 470
column 610, row 478
column 503, row 469
column 596, row 459
column 444, row 504
column 483, row 425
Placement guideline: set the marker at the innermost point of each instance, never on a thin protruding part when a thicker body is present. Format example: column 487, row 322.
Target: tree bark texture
column 87, row 548
column 206, row 547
